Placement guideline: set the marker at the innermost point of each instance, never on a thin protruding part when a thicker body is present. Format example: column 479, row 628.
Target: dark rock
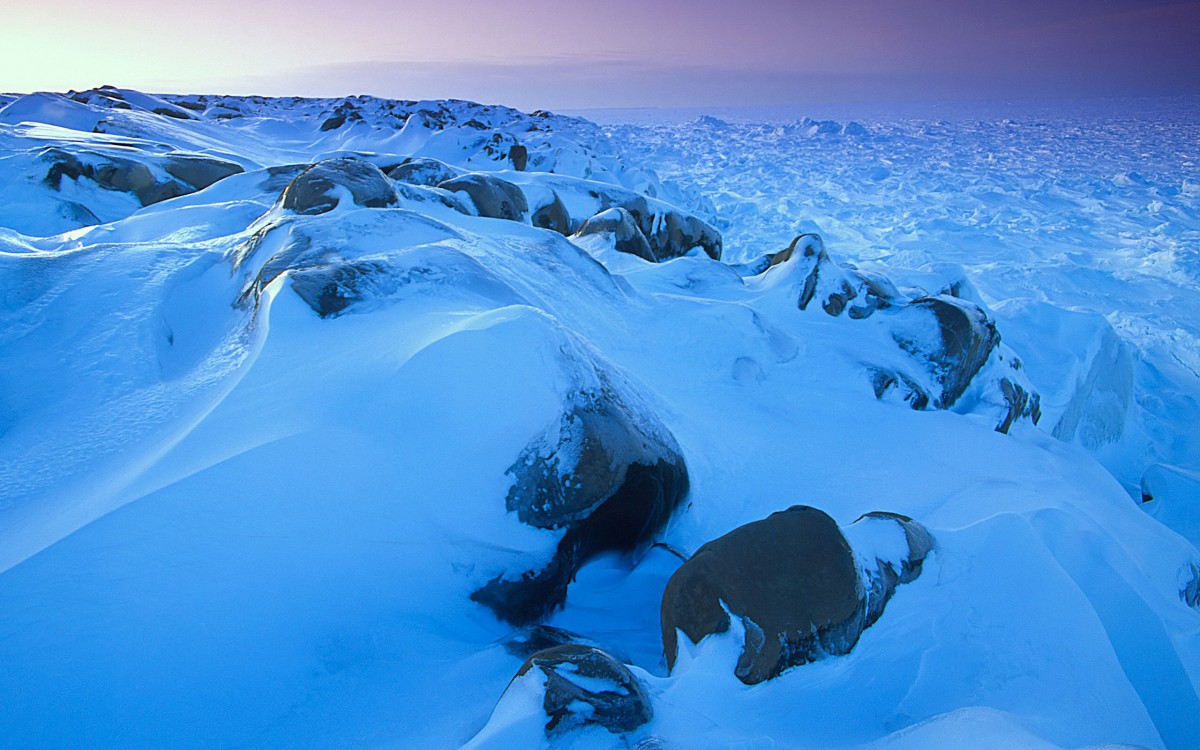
column 553, row 216
column 1020, row 402
column 174, row 112
column 200, row 171
column 519, row 156
column 965, row 338
column 622, row 225
column 112, row 173
column 587, row 687
column 1190, row 592
column 792, row 580
column 529, row 640
column 675, row 234
column 310, row 192
column 333, row 123
column 422, row 170
column 330, row 290
column 77, row 213
column 608, row 474
column 886, row 382
column 493, row 197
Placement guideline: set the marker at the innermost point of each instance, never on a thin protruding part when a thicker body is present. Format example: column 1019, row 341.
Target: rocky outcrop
column 492, row 197
column 608, row 474
column 112, row 173
column 622, row 229
column 795, row 584
column 585, row 686
column 952, row 337
column 314, row 191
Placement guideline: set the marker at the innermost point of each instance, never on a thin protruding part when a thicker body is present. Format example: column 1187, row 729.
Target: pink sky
column 557, row 54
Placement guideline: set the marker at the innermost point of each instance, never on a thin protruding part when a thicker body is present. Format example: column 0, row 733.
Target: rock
column 112, row 173
column 887, row 382
column 623, row 228
column 831, row 285
column 587, row 687
column 674, row 234
column 794, row 582
column 331, row 289
column 963, row 339
column 880, row 573
column 493, row 197
column 200, row 171
column 519, row 156
column 423, row 170
column 333, row 123
column 1189, row 592
column 80, row 214
column 553, row 216
column 609, row 474
column 311, row 192
column 533, row 638
column 1021, row 403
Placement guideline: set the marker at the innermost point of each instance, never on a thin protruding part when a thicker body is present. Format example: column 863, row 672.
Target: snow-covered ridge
column 356, row 422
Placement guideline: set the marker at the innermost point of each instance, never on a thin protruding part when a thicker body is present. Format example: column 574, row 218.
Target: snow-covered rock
column 792, row 581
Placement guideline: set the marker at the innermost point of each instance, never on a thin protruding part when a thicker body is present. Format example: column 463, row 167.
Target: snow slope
column 254, row 460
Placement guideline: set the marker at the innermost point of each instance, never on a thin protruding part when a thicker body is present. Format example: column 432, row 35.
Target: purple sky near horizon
column 554, row 54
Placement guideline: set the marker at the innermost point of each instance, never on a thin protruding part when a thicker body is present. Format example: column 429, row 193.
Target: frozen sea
column 1089, row 206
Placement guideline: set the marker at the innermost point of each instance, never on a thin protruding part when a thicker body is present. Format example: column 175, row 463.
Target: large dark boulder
column 951, row 337
column 620, row 224
column 608, row 474
column 790, row 577
column 585, row 686
column 313, row 190
column 794, row 583
column 492, row 197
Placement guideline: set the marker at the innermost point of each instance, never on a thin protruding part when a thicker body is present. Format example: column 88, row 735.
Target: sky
column 559, row 54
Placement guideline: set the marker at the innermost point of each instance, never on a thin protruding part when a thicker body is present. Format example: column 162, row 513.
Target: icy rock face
column 963, row 340
column 585, row 686
column 793, row 580
column 609, row 473
column 314, row 190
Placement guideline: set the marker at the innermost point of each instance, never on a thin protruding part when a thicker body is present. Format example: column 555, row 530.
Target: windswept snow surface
column 254, row 461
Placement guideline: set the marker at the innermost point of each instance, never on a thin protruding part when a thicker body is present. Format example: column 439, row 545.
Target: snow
column 227, row 521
